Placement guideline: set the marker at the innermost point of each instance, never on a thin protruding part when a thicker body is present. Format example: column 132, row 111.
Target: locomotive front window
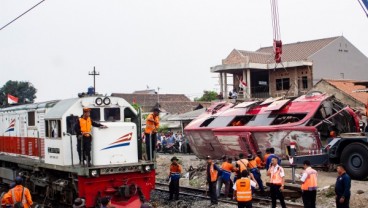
column 95, row 114
column 112, row 114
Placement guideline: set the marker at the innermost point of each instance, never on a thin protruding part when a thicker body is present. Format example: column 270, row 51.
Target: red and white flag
column 12, row 99
column 242, row 83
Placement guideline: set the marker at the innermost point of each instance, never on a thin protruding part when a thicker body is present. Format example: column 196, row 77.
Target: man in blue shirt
column 269, row 159
column 342, row 187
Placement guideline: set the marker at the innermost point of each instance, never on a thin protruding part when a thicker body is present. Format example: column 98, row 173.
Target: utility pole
column 94, row 74
column 158, row 96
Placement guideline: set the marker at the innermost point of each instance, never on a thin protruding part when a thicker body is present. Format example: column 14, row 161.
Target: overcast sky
column 169, row 44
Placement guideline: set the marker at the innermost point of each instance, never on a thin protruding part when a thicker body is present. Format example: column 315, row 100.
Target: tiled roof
column 350, row 88
column 188, row 116
column 258, row 57
column 148, row 101
column 299, row 51
column 178, row 107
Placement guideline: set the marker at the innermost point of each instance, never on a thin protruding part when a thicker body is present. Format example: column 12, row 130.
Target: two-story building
column 255, row 74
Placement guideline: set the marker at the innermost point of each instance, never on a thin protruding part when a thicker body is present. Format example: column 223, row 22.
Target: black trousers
column 151, row 147
column 309, row 199
column 174, row 189
column 86, row 155
column 247, row 204
column 342, row 205
column 277, row 194
column 212, row 192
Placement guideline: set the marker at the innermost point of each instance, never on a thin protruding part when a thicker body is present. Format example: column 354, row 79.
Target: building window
column 305, row 82
column 283, row 84
column 31, row 118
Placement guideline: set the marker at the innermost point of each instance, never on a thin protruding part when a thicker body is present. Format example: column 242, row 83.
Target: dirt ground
column 326, row 180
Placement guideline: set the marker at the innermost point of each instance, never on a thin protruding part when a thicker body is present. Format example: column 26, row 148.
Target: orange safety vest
column 227, row 166
column 310, row 183
column 86, row 126
column 14, row 195
column 151, row 127
column 252, row 164
column 243, row 190
column 175, row 168
column 243, row 163
column 259, row 162
column 276, row 177
column 213, row 173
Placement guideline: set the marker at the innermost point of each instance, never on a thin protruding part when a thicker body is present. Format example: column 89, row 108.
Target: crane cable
column 275, row 20
column 22, row 14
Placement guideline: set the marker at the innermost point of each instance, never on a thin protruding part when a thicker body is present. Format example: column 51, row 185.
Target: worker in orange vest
column 260, row 163
column 212, row 174
column 252, row 165
column 174, row 175
column 83, row 129
column 243, row 191
column 152, row 125
column 18, row 196
column 226, row 169
column 309, row 186
column 277, row 174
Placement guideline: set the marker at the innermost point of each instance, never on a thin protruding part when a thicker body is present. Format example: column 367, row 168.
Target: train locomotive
column 39, row 143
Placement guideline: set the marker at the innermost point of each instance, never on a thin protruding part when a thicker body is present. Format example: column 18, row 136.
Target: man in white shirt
column 309, row 185
column 277, row 180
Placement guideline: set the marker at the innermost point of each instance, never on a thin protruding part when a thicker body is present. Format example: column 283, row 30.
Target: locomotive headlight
column 147, row 168
column 94, row 173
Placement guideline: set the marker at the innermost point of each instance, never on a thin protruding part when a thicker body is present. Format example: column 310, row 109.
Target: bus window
column 112, row 114
column 240, row 120
column 288, row 118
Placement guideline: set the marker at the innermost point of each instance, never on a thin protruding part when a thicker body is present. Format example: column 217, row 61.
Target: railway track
column 258, row 202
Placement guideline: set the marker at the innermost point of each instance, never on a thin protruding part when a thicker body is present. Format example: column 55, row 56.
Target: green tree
column 207, row 96
column 25, row 91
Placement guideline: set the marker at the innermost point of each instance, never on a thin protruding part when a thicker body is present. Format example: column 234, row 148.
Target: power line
column 22, row 14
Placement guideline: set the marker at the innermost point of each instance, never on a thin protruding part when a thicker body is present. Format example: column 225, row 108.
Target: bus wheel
column 355, row 159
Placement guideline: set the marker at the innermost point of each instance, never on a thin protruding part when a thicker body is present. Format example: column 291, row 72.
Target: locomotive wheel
column 355, row 158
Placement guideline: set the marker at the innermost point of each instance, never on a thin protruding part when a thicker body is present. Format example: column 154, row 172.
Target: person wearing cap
column 309, row 185
column 252, row 165
column 83, row 129
column 79, row 203
column 277, row 180
column 174, row 175
column 226, row 169
column 152, row 125
column 105, row 202
column 18, row 195
column 243, row 191
column 212, row 173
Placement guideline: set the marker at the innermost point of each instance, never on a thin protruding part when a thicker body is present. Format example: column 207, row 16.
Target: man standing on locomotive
column 84, row 134
column 152, row 125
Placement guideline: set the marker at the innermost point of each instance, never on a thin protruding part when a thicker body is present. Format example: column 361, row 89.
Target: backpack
column 19, row 204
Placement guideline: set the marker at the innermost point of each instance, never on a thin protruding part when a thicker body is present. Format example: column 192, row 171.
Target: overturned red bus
column 227, row 129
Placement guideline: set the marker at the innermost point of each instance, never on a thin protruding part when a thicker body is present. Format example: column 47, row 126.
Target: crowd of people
column 239, row 179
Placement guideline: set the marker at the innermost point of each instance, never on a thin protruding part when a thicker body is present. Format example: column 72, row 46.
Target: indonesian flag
column 12, row 99
column 242, row 83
